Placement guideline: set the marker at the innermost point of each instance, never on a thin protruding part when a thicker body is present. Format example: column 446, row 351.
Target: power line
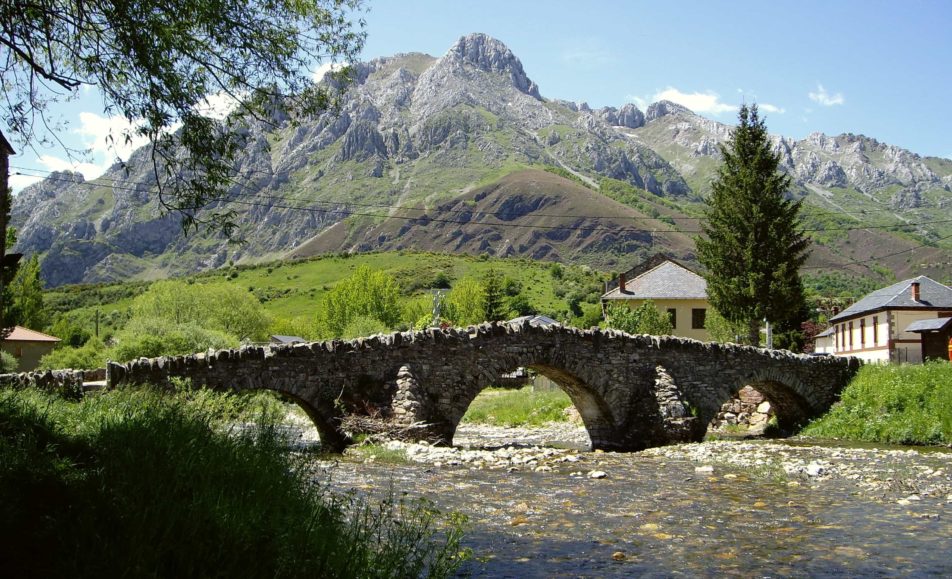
column 428, row 219
column 806, row 211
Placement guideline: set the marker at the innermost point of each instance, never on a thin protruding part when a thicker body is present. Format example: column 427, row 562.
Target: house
column 276, row 339
column 27, row 346
column 823, row 342
column 674, row 288
column 905, row 322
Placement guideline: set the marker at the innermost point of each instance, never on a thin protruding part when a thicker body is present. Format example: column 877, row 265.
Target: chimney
column 836, row 310
column 621, row 283
column 914, row 286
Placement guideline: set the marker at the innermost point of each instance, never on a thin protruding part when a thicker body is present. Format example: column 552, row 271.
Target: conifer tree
column 495, row 304
column 752, row 244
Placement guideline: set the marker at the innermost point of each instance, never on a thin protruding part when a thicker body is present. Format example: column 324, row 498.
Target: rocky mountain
column 463, row 153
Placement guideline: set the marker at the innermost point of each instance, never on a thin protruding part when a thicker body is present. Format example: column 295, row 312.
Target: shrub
column 365, row 293
column 361, row 326
column 219, row 307
column 8, row 364
column 465, row 304
column 151, row 337
column 645, row 319
column 89, row 356
column 135, row 483
column 907, row 404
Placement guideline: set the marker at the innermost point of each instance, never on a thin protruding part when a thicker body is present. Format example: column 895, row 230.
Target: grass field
column 523, row 407
column 292, row 289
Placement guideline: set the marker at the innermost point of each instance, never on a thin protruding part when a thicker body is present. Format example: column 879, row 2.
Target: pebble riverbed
column 540, row 504
column 883, row 474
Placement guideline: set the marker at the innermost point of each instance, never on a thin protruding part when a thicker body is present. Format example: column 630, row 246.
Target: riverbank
column 886, row 474
column 538, row 506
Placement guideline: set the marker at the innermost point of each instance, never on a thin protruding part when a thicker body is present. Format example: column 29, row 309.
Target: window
column 697, row 318
column 875, row 330
column 851, row 335
column 673, row 316
column 18, row 352
column 862, row 332
column 836, row 337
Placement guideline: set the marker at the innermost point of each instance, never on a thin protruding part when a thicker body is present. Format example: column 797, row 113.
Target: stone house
column 674, row 288
column 908, row 321
column 27, row 346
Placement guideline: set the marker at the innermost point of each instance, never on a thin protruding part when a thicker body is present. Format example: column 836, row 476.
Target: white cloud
column 219, row 105
column 109, row 137
column 18, row 182
column 824, row 98
column 324, row 68
column 769, row 108
column 699, row 102
column 641, row 102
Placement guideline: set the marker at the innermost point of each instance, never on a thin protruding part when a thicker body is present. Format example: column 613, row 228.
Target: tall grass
column 907, row 404
column 523, row 407
column 140, row 484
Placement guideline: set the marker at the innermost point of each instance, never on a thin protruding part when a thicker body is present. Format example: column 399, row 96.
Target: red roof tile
column 21, row 334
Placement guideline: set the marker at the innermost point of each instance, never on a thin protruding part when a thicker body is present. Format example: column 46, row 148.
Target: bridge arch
column 594, row 410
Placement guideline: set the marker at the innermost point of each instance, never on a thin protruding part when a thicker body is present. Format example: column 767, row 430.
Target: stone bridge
column 632, row 392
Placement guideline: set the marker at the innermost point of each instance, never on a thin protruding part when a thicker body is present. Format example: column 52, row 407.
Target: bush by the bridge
column 136, row 483
column 907, row 404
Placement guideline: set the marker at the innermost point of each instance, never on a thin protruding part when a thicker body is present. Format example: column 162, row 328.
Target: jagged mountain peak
column 664, row 108
column 492, row 55
column 416, row 131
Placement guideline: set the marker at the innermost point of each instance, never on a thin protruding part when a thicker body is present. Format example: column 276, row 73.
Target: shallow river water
column 670, row 515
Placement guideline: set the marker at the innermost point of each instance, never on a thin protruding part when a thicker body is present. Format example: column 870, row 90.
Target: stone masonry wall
column 626, row 388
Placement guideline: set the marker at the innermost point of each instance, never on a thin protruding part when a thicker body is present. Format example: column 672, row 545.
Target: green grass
column 295, row 288
column 141, row 484
column 908, row 404
column 523, row 407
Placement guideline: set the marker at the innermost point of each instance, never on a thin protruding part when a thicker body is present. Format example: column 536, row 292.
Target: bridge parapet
column 631, row 391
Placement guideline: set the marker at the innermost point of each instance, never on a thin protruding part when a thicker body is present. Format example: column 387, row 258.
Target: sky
column 871, row 67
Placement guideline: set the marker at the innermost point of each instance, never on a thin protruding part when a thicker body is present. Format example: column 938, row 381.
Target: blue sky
column 882, row 69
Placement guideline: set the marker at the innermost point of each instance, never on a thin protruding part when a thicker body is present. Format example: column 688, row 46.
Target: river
column 714, row 509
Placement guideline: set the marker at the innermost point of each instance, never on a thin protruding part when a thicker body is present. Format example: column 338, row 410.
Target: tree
column 466, row 302
column 156, row 63
column 752, row 243
column 226, row 308
column 495, row 304
column 26, row 296
column 645, row 319
column 368, row 293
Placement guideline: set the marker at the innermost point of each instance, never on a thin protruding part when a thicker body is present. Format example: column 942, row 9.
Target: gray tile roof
column 277, row 339
column 665, row 281
column 825, row 333
column 535, row 320
column 932, row 325
column 932, row 296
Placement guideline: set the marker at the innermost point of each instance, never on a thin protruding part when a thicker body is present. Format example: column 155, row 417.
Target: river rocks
column 512, row 458
column 878, row 474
